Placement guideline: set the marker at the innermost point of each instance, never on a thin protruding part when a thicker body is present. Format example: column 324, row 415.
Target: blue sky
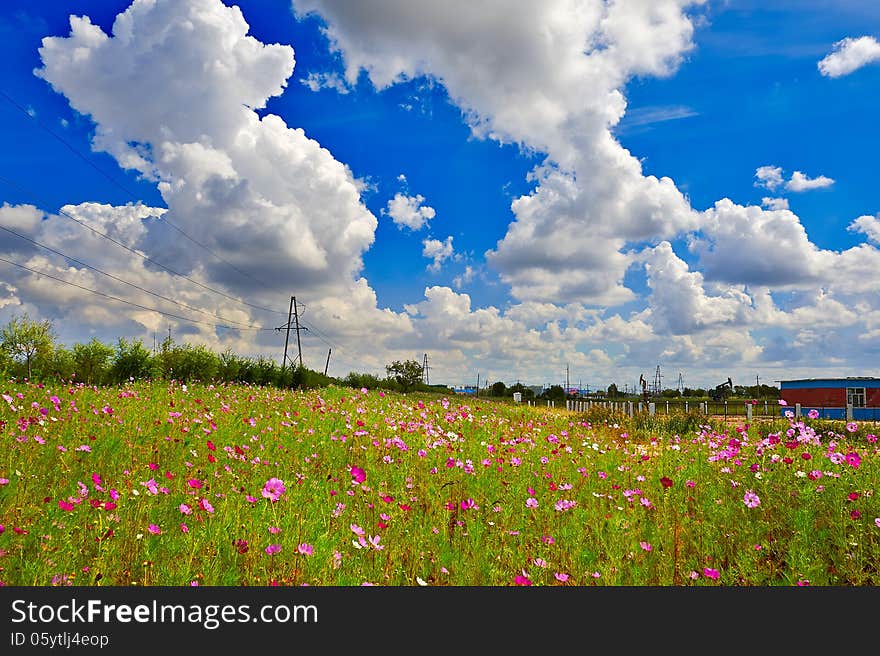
column 565, row 228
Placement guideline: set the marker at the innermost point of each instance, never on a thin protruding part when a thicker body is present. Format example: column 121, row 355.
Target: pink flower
column 645, row 545
column 273, row 549
column 194, row 483
column 357, row 529
column 358, row 474
column 852, row 427
column 855, row 514
column 711, row 573
column 783, row 402
column 803, row 582
column 274, row 530
column 305, row 549
column 205, row 505
column 273, row 489
column 853, row 459
column 690, row 484
column 155, row 530
column 813, row 413
column 522, row 580
column 751, row 499
column 185, row 509
column 184, row 528
column 877, row 522
column 562, row 577
column 64, row 505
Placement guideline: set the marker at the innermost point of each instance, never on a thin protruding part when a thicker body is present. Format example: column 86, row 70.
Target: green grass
column 446, row 490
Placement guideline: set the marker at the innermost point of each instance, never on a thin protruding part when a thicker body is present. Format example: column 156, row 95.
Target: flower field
column 169, row 484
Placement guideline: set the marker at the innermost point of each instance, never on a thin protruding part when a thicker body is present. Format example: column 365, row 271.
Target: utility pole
column 287, row 334
column 296, row 318
column 295, row 313
column 326, row 366
column 567, row 384
column 478, row 384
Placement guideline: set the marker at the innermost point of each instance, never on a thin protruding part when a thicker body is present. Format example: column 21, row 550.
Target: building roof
column 824, row 380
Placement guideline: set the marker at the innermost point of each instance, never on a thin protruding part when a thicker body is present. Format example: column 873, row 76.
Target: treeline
column 29, row 349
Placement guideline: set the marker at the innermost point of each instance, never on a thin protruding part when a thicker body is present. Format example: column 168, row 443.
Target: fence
column 766, row 409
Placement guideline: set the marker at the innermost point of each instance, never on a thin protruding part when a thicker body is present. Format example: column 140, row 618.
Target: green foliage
column 185, row 362
column 554, row 393
column 60, row 364
column 28, row 342
column 499, row 389
column 527, row 394
column 92, row 362
column 131, row 360
column 407, row 373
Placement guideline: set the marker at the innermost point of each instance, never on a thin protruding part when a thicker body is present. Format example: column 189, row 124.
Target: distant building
column 831, row 396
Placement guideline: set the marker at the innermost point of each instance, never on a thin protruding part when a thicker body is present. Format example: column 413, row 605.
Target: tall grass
column 171, row 484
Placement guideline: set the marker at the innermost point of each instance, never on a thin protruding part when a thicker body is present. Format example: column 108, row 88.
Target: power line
column 121, row 300
column 141, row 255
column 76, row 152
column 130, row 284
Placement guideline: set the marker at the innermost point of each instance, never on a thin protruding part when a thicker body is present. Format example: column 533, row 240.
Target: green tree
column 499, row 389
column 408, row 373
column 612, row 391
column 554, row 393
column 27, row 341
column 92, row 361
column 522, row 389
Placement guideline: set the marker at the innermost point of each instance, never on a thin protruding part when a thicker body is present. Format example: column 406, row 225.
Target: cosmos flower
column 273, row 549
column 273, row 489
column 751, row 499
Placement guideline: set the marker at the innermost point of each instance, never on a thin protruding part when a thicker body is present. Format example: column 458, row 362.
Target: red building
column 830, row 394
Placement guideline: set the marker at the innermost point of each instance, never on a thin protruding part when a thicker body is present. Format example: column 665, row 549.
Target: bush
column 131, row 361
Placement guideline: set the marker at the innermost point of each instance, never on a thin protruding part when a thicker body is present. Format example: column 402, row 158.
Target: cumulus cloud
column 318, row 81
column 589, row 185
column 772, row 178
column 849, row 55
column 867, row 225
column 437, row 250
column 769, row 177
column 801, row 182
column 172, row 91
column 409, row 211
column 775, row 203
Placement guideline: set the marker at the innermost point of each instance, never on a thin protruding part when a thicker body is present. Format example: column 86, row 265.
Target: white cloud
column 409, row 211
column 801, row 182
column 849, row 55
column 464, row 277
column 769, row 177
column 592, row 195
column 867, row 225
column 775, row 203
column 772, row 178
column 437, row 250
column 317, row 81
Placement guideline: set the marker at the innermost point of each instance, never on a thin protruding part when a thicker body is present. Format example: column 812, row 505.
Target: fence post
column 652, row 407
column 749, row 411
column 641, row 407
column 849, row 411
column 629, row 408
column 685, row 406
column 797, row 409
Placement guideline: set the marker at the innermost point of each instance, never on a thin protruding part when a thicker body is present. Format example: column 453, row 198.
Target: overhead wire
column 121, row 300
column 126, row 282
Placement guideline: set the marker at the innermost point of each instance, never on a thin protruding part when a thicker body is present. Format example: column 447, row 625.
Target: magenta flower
column 185, row 509
column 751, row 499
column 522, row 580
column 813, row 414
column 194, row 483
column 711, row 573
column 64, row 505
column 853, row 459
column 783, row 402
column 274, row 530
column 305, row 549
column 855, row 514
column 155, row 530
column 358, row 474
column 877, row 522
column 273, row 549
column 645, row 545
column 852, row 427
column 273, row 489
column 562, row 577
column 205, row 505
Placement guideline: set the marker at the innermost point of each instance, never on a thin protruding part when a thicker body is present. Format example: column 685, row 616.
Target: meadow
column 163, row 483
